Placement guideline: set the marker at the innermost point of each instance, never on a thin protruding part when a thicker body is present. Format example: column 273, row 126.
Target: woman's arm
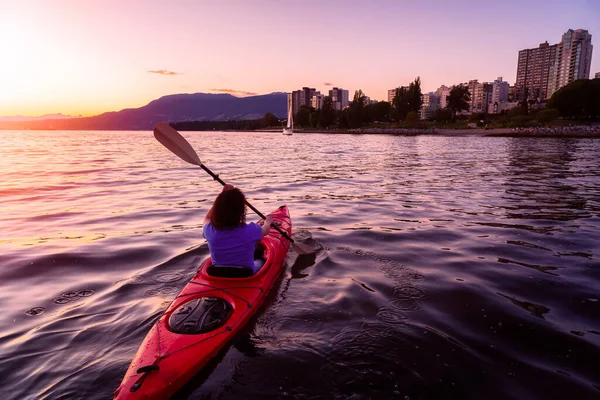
column 208, row 216
column 267, row 225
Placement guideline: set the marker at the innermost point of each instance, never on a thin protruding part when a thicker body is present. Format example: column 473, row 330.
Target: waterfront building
column 340, row 98
column 443, row 92
column 431, row 103
column 534, row 72
column 500, row 90
column 481, row 96
column 302, row 97
column 573, row 59
column 511, row 93
column 500, row 95
column 317, row 101
column 543, row 70
column 392, row 93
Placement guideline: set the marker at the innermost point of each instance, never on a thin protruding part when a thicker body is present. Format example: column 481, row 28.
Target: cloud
column 328, row 84
column 164, row 72
column 239, row 93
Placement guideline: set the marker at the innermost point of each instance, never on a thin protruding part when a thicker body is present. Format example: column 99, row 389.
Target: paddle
column 173, row 141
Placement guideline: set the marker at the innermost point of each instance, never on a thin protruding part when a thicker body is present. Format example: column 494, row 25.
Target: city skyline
column 75, row 58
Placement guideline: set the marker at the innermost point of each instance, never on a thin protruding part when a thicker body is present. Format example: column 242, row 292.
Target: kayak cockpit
column 229, row 271
column 200, row 315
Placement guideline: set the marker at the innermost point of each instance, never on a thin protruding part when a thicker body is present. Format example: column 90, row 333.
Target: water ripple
column 445, row 267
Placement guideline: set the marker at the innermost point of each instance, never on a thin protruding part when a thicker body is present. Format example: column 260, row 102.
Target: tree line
column 404, row 108
column 579, row 99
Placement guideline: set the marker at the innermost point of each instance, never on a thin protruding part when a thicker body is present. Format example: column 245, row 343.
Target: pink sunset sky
column 87, row 57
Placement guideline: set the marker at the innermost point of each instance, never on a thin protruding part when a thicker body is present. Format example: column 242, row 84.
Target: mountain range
column 172, row 108
column 26, row 118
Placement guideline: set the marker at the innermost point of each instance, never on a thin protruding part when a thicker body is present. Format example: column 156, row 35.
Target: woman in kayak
column 231, row 240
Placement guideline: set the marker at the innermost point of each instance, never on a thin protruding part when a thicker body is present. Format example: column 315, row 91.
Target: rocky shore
column 583, row 131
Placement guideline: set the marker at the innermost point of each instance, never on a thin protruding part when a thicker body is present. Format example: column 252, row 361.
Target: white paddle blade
column 173, row 141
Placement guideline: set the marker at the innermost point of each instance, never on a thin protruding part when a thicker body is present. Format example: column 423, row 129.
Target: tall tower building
column 534, row 71
column 573, row 59
column 340, row 98
column 302, row 97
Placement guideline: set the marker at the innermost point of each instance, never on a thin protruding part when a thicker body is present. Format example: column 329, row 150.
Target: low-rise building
column 498, row 108
column 597, row 76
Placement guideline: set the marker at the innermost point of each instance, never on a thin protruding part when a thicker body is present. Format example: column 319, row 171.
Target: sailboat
column 289, row 129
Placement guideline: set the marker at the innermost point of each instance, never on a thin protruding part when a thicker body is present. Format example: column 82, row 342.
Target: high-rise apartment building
column 340, row 98
column 299, row 98
column 317, row 101
column 534, row 71
column 573, row 59
column 543, row 70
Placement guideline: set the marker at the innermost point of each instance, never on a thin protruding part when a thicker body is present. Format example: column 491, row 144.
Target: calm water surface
column 447, row 267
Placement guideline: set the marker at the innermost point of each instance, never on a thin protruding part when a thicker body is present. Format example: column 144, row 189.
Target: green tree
column 381, row 111
column 516, row 111
column 578, row 99
column 302, row 117
column 356, row 113
column 547, row 115
column 314, row 118
column 411, row 118
column 344, row 119
column 327, row 115
column 270, row 119
column 414, row 96
column 443, row 115
column 359, row 99
column 400, row 104
column 458, row 100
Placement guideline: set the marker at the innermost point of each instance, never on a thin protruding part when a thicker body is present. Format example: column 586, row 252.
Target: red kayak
column 203, row 318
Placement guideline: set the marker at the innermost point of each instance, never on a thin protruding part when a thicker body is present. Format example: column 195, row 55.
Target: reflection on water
column 446, row 268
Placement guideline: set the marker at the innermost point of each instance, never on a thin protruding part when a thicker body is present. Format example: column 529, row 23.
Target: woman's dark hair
column 229, row 209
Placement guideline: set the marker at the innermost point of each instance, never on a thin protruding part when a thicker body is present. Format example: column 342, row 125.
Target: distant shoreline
column 584, row 132
column 569, row 132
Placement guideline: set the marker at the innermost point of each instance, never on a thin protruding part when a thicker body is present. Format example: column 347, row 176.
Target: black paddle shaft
column 216, row 178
